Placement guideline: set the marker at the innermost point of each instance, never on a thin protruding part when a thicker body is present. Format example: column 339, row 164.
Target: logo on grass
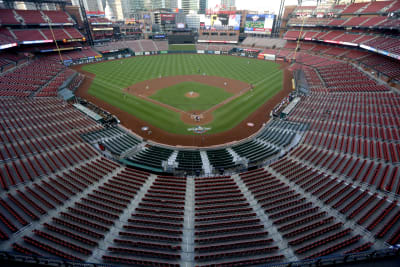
column 199, row 129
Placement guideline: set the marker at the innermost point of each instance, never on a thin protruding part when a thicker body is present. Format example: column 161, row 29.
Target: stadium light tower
column 86, row 23
column 277, row 26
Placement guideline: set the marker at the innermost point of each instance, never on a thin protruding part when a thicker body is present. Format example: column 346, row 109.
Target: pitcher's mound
column 192, row 94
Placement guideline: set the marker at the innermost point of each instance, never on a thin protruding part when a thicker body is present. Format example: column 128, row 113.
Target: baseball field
column 166, row 90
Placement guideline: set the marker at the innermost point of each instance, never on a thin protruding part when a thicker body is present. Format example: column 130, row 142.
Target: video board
column 220, row 21
column 259, row 23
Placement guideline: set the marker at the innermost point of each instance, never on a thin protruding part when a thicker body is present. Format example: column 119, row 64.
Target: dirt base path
column 148, row 88
column 241, row 131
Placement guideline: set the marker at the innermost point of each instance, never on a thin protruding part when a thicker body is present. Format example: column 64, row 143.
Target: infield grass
column 175, row 96
column 113, row 76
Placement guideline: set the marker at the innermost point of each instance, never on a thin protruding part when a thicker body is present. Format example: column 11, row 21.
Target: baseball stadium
column 170, row 133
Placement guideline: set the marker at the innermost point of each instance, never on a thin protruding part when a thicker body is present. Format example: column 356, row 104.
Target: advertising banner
column 269, row 57
column 5, row 46
column 95, row 13
column 167, row 18
column 234, row 21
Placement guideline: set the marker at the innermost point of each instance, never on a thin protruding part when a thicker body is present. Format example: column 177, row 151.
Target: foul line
column 226, row 101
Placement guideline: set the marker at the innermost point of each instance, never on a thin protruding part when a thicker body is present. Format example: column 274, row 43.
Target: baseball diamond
column 143, row 90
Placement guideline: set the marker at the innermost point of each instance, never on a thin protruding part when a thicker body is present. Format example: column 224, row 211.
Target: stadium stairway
column 364, row 186
column 50, row 213
column 296, row 140
column 188, row 223
column 265, row 143
column 172, row 159
column 304, row 245
column 268, row 224
column 320, row 78
column 132, row 151
column 35, row 93
column 163, row 199
column 236, row 158
column 53, row 213
column 207, row 168
column 99, row 252
column 367, row 236
column 351, row 198
column 141, row 47
column 367, row 73
column 16, row 67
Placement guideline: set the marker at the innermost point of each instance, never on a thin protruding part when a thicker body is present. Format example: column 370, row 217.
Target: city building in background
column 158, row 4
column 113, row 8
column 193, row 21
column 228, row 4
column 203, row 5
column 190, row 6
column 133, row 7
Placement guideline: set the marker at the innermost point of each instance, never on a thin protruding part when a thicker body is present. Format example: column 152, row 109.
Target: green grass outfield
column 175, row 96
column 113, row 76
column 182, row 47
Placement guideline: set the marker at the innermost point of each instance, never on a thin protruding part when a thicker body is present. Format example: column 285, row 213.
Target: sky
column 254, row 5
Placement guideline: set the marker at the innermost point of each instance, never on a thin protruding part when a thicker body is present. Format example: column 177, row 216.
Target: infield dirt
column 148, row 88
column 192, row 95
column 237, row 133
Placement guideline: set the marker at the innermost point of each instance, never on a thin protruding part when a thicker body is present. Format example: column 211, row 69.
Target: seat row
column 304, row 227
column 154, row 230
column 227, row 231
column 376, row 214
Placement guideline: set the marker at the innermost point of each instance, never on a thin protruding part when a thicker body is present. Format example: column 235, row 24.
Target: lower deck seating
column 227, row 230
column 151, row 157
column 114, row 139
column 308, row 230
column 254, row 151
column 78, row 230
column 153, row 233
column 221, row 159
column 350, row 199
column 189, row 161
column 280, row 138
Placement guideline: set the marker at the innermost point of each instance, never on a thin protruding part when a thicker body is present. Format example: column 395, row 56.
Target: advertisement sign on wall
column 167, row 18
column 234, row 21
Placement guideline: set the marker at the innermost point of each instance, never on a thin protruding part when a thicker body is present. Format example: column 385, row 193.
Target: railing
column 372, row 256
